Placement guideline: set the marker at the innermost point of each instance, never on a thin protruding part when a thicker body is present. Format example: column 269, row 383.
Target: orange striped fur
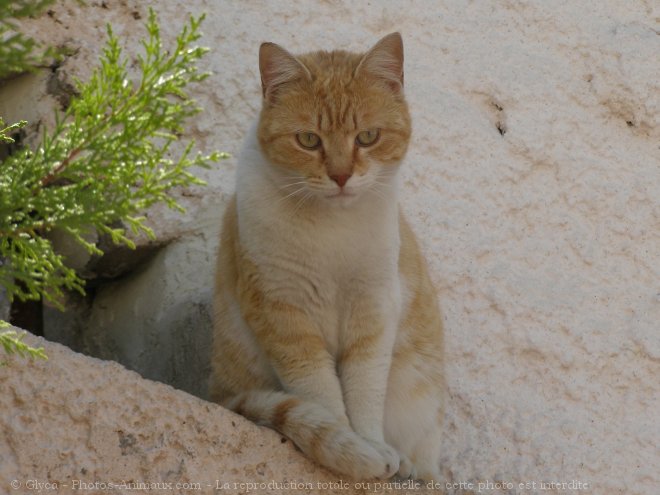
column 326, row 325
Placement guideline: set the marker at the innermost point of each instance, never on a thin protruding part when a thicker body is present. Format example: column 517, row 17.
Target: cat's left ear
column 385, row 61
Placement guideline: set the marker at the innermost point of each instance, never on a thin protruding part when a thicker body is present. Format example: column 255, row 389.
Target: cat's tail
column 320, row 435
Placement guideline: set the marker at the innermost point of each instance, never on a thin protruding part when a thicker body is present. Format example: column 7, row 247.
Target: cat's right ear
column 278, row 67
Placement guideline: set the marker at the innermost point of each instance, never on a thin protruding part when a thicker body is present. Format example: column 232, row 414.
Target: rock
column 80, row 424
column 26, row 97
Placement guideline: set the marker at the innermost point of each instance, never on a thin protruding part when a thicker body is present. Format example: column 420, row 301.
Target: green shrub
column 106, row 159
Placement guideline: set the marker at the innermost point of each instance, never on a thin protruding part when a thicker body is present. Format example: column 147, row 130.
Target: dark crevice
column 27, row 315
column 118, row 262
column 500, row 117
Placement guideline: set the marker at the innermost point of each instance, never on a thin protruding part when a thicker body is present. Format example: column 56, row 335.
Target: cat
column 326, row 324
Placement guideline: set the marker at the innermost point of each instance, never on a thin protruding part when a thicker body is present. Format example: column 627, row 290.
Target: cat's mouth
column 341, row 194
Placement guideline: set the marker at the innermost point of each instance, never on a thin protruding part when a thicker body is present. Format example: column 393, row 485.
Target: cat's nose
column 341, row 179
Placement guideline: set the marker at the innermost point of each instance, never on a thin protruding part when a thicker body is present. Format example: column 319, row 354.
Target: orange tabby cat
column 326, row 323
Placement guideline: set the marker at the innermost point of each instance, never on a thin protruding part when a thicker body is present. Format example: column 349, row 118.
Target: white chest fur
column 318, row 260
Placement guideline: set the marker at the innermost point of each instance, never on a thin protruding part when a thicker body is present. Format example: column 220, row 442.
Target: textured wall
column 533, row 182
column 75, row 424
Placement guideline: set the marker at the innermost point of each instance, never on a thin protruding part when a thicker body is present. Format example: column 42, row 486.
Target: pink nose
column 341, row 179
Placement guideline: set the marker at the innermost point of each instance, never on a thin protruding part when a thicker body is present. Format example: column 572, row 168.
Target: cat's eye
column 368, row 137
column 308, row 140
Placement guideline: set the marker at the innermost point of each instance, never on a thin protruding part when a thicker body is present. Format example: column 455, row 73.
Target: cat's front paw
column 407, row 469
column 389, row 457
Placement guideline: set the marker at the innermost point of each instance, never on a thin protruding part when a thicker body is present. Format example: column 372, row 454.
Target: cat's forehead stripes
column 336, row 112
column 333, row 75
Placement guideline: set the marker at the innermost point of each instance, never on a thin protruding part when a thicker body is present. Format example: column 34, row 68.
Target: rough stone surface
column 533, row 182
column 82, row 425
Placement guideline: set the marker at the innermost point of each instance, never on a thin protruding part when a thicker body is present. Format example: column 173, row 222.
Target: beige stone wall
column 533, row 182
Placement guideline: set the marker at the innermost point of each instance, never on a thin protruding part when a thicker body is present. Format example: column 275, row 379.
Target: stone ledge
column 76, row 419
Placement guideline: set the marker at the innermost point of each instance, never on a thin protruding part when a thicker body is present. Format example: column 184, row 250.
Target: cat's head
column 334, row 125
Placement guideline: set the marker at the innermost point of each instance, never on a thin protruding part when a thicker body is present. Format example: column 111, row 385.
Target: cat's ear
column 278, row 67
column 385, row 61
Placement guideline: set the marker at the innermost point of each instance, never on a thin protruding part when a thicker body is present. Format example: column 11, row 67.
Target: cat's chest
column 319, row 264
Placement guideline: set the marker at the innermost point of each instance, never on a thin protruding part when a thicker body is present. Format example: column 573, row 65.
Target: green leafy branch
column 5, row 134
column 13, row 343
column 108, row 158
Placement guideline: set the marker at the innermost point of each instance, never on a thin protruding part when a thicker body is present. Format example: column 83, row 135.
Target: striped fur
column 326, row 325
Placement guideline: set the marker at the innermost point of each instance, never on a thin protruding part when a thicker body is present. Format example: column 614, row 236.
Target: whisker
column 285, row 186
column 296, row 191
column 302, row 201
column 380, row 189
column 378, row 192
column 386, row 175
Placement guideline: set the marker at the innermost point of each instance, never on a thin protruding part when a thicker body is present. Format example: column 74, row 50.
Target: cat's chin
column 341, row 199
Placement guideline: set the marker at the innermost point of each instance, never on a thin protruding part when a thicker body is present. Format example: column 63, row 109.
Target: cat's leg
column 313, row 429
column 416, row 389
column 413, row 416
column 416, row 386
column 296, row 351
column 363, row 364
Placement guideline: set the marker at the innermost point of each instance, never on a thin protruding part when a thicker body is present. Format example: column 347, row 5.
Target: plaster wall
column 532, row 181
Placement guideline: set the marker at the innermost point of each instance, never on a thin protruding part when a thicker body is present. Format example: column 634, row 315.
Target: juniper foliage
column 107, row 159
column 12, row 342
